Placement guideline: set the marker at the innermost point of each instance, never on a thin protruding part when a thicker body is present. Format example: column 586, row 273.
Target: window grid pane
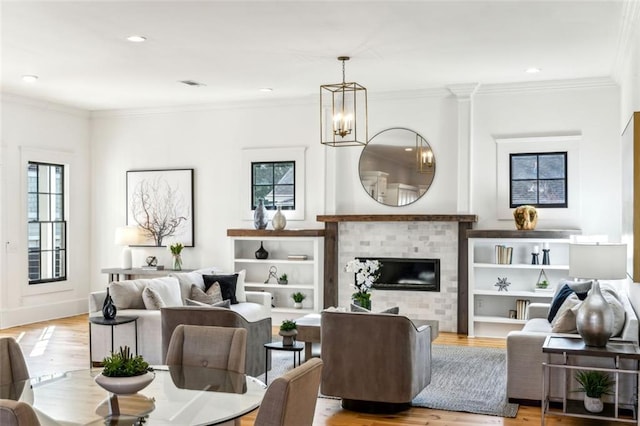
column 273, row 182
column 539, row 179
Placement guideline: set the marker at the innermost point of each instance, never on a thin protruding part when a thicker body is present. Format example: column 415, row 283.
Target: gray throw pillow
column 579, row 287
column 152, row 299
column 223, row 304
column 212, row 295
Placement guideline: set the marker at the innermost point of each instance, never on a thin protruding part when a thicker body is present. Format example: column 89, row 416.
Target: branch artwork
column 159, row 205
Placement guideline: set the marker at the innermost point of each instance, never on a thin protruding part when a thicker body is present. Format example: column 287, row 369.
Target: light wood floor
column 60, row 345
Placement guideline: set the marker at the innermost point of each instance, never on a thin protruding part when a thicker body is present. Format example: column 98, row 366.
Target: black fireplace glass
column 407, row 274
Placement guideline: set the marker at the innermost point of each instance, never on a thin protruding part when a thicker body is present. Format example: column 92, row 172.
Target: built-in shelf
column 541, row 294
column 520, row 266
column 498, row 320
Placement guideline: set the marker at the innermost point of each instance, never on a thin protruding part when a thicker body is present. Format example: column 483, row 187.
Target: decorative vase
column 288, row 337
column 363, row 302
column 297, row 305
column 177, row 262
column 260, row 219
column 261, row 253
column 279, row 221
column 125, row 385
column 526, row 217
column 108, row 308
column 593, row 405
column 594, row 319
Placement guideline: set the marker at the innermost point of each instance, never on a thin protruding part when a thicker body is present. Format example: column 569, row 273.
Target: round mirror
column 397, row 166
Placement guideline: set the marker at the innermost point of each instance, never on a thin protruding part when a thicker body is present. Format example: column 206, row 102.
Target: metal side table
column 118, row 320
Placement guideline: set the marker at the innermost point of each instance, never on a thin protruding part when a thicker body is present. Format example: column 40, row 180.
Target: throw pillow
column 395, row 310
column 212, row 295
column 187, row 279
column 565, row 319
column 581, row 288
column 152, row 299
column 128, row 294
column 169, row 290
column 227, row 285
column 222, row 304
column 241, row 296
column 564, row 292
column 619, row 315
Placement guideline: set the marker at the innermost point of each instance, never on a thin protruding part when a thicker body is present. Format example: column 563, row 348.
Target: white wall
column 35, row 129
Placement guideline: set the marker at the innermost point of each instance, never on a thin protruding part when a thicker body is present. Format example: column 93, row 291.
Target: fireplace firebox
column 407, row 274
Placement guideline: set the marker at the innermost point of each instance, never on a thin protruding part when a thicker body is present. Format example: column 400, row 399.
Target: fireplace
column 407, row 274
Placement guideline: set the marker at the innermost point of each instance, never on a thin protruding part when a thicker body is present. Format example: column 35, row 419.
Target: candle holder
column 535, row 258
column 545, row 256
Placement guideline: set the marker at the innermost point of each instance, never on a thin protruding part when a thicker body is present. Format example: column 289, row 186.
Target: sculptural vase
column 594, row 319
column 108, row 308
column 261, row 253
column 260, row 219
column 279, row 221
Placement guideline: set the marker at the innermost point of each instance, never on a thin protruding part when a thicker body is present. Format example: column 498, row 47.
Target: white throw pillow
column 619, row 315
column 186, row 280
column 241, row 296
column 168, row 288
column 128, row 294
column 152, row 300
column 565, row 319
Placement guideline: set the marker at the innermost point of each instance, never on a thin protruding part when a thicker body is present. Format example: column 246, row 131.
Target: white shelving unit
column 488, row 307
column 304, row 276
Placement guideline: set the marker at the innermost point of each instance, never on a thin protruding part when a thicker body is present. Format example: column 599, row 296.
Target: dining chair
column 13, row 367
column 17, row 413
column 208, row 346
column 291, row 399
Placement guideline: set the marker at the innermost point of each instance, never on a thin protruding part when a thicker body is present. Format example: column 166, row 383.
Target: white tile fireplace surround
column 433, row 240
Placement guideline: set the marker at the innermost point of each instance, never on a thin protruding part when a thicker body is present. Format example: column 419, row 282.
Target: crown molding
column 548, row 85
column 463, row 91
column 42, row 104
column 629, row 23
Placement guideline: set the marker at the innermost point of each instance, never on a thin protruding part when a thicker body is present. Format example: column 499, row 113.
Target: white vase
column 279, row 221
column 593, row 405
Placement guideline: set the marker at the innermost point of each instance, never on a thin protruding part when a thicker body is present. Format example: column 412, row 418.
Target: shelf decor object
column 260, row 219
column 279, row 221
column 594, row 319
column 526, row 218
column 108, row 307
column 546, row 259
column 343, row 113
column 261, row 253
column 127, row 236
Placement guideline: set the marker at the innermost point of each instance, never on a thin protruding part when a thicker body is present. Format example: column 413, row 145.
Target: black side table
column 278, row 346
column 119, row 320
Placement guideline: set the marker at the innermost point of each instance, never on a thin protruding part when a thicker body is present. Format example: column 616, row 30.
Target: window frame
column 58, row 262
column 565, row 179
column 273, row 185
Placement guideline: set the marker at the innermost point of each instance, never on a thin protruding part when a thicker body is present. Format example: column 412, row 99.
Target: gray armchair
column 258, row 332
column 374, row 362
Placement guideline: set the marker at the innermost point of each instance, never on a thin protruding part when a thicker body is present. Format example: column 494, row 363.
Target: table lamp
column 127, row 236
column 594, row 319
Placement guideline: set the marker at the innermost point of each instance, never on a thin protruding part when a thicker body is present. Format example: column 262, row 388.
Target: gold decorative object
column 526, row 217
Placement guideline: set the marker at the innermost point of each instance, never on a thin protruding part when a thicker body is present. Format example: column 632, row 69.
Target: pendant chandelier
column 343, row 112
column 424, row 155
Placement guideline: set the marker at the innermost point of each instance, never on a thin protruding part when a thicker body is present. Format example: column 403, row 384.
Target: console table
column 571, row 347
column 127, row 274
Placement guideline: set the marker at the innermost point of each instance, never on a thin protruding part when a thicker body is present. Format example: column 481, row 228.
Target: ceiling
column 80, row 53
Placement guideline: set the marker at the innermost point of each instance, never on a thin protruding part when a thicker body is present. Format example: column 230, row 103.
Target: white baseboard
column 31, row 314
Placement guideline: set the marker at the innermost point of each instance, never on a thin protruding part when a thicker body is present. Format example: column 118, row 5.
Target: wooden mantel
column 331, row 267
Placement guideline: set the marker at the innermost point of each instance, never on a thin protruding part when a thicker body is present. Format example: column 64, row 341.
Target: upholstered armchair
column 13, row 372
column 258, row 332
column 291, row 398
column 374, row 362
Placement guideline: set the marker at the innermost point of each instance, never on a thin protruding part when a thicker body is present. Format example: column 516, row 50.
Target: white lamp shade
column 128, row 236
column 598, row 261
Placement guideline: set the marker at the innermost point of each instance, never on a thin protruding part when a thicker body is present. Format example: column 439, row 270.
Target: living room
column 590, row 100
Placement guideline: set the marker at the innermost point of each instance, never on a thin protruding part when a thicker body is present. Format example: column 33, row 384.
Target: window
column 538, row 179
column 47, row 228
column 275, row 183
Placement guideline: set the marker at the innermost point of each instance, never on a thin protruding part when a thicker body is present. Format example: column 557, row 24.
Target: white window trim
column 65, row 159
column 254, row 155
column 560, row 143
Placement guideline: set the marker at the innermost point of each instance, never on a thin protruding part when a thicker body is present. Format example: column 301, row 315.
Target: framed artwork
column 160, row 202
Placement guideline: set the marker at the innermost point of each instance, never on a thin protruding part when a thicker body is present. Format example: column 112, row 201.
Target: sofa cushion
column 152, row 299
column 227, row 285
column 241, row 295
column 221, row 304
column 612, row 297
column 565, row 319
column 186, row 280
column 212, row 295
column 127, row 294
column 581, row 287
column 168, row 289
column 558, row 300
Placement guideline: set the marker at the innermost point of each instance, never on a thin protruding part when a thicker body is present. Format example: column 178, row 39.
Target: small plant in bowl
column 297, row 299
column 594, row 384
column 283, row 279
column 125, row 373
column 288, row 331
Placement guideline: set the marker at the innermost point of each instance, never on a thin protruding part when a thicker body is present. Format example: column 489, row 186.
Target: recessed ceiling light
column 136, row 38
column 532, row 70
column 29, row 78
column 266, row 89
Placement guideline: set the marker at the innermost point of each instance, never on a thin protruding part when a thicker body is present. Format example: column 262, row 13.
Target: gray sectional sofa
column 525, row 357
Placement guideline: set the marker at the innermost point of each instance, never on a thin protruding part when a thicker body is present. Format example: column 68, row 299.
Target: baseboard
column 30, row 314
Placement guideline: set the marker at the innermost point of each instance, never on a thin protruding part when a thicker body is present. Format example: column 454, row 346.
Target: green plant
column 543, row 284
column 124, row 364
column 288, row 325
column 283, row 277
column 594, row 383
column 298, row 297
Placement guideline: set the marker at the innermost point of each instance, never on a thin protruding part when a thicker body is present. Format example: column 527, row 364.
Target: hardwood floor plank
column 62, row 345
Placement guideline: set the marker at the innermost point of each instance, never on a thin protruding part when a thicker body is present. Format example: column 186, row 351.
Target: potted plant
column 124, row 373
column 297, row 299
column 594, row 384
column 288, row 331
column 283, row 279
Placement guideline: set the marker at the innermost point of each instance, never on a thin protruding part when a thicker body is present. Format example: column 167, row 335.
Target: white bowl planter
column 125, row 385
column 593, row 405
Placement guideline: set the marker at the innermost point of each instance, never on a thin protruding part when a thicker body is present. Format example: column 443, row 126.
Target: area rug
column 467, row 379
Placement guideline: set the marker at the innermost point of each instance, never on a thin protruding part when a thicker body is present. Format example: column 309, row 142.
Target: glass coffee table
column 177, row 396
